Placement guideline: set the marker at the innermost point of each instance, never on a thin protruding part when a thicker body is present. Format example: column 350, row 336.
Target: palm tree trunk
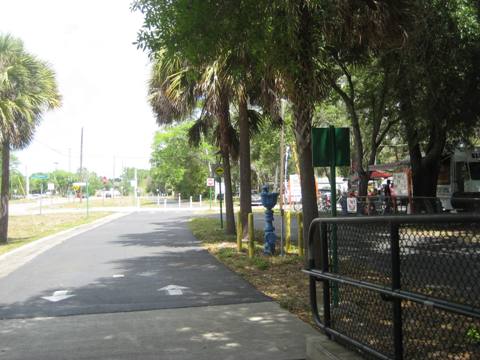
column 224, row 122
column 245, row 169
column 4, row 192
column 307, row 176
column 303, row 100
column 229, row 214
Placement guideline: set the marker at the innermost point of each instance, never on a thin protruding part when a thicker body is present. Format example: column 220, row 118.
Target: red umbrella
column 379, row 174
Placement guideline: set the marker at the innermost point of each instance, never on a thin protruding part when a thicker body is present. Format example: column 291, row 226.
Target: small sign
column 79, row 184
column 322, row 146
column 400, row 183
column 51, row 186
column 352, row 205
column 219, row 171
column 210, row 182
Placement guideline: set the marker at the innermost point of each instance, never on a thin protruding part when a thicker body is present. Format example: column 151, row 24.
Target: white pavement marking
column 118, row 276
column 173, row 289
column 58, row 295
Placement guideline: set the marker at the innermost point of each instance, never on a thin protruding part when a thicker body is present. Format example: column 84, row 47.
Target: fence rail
column 399, row 287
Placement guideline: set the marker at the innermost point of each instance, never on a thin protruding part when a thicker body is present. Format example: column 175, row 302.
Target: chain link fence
column 400, row 287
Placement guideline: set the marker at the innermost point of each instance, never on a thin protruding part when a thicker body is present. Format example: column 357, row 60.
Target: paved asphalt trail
column 108, row 281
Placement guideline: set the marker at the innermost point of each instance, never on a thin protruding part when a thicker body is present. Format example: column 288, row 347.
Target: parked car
column 256, row 199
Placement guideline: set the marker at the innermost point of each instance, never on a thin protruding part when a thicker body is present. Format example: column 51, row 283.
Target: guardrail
column 399, row 287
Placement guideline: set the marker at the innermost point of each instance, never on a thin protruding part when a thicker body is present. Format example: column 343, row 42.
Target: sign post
column 219, row 171
column 331, row 147
column 210, row 184
column 40, row 177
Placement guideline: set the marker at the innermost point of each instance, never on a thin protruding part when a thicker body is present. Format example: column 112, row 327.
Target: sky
column 102, row 78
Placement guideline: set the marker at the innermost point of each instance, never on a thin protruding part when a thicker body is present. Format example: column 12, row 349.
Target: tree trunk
column 224, row 122
column 425, row 168
column 229, row 215
column 307, row 176
column 303, row 98
column 4, row 192
column 245, row 169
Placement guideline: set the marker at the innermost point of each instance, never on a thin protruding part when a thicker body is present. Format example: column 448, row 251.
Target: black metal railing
column 399, row 287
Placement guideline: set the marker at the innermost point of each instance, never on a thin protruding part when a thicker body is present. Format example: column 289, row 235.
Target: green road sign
column 322, row 147
column 39, row 177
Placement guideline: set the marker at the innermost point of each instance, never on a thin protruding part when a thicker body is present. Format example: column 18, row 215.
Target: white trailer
column 459, row 180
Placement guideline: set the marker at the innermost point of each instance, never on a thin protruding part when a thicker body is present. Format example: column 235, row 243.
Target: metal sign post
column 40, row 177
column 333, row 204
column 331, row 147
column 210, row 184
column 219, row 171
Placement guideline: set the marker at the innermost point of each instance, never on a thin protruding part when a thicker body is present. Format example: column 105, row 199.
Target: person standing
column 387, row 192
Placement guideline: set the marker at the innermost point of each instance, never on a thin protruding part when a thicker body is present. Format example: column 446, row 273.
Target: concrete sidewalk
column 239, row 331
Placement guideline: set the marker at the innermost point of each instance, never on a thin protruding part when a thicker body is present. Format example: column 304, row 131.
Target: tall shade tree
column 27, row 89
column 438, row 88
column 185, row 27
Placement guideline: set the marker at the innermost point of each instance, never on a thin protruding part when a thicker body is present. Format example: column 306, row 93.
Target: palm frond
column 27, row 89
column 255, row 121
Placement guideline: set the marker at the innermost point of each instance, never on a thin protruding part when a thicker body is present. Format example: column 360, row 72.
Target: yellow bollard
column 288, row 231
column 300, row 233
column 239, row 231
column 251, row 234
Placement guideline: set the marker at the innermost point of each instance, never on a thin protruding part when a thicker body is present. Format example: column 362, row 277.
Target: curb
column 322, row 348
column 18, row 257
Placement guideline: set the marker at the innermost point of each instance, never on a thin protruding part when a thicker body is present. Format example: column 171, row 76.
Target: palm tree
column 176, row 90
column 27, row 89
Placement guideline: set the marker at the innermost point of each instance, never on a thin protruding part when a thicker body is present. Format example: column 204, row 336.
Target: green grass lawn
column 27, row 228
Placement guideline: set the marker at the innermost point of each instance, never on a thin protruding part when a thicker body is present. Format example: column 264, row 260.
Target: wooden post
column 251, row 234
column 239, row 231
column 301, row 251
column 288, row 231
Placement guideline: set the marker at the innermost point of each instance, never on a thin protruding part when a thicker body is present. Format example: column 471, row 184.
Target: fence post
column 325, row 268
column 179, row 201
column 300, row 234
column 190, row 202
column 239, row 231
column 288, row 231
column 251, row 235
column 396, row 284
column 200, row 200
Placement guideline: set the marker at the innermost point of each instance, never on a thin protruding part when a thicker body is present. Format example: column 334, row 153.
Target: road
column 140, row 287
